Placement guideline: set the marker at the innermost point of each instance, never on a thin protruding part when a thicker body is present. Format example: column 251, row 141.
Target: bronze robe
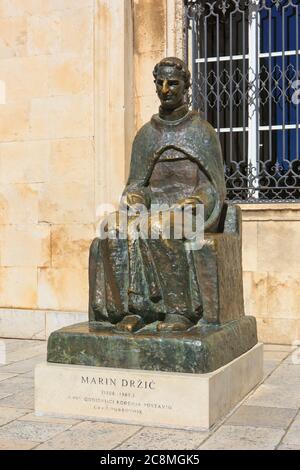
column 171, row 161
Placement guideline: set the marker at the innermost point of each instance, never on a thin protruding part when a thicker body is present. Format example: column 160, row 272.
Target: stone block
column 24, row 162
column 145, row 107
column 31, row 417
column 255, row 293
column 13, row 37
column 31, row 431
column 12, row 8
column 261, row 416
column 249, row 246
column 66, row 203
column 68, row 4
column 19, row 203
column 187, row 401
column 22, row 367
column 26, row 349
column 150, row 15
column 18, row 288
column 164, row 439
column 13, row 444
column 25, row 77
column 60, row 117
column 271, row 211
column 25, row 245
column 77, row 31
column 2, row 358
column 10, row 414
column 70, row 245
column 287, row 373
column 274, row 253
column 44, row 34
column 277, row 396
column 22, row 323
column 143, row 67
column 63, row 289
column 90, row 436
column 243, row 438
column 14, row 118
column 283, row 293
column 70, row 75
column 72, row 160
column 278, row 330
column 2, row 92
column 292, row 438
column 57, row 320
column 17, row 8
column 24, row 399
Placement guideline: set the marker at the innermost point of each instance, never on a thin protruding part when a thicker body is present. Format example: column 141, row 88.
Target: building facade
column 75, row 85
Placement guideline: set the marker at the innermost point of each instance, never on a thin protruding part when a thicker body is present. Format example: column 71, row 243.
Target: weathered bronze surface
column 142, row 290
column 202, row 349
column 176, row 158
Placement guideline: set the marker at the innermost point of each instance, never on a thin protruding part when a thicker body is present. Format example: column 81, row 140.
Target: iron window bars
column 244, row 57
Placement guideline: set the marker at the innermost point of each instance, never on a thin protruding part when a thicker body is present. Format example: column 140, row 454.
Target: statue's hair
column 178, row 64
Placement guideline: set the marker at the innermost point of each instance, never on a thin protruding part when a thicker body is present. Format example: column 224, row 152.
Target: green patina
column 155, row 304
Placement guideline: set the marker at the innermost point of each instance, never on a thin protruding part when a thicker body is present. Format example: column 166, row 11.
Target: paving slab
column 10, row 414
column 48, row 419
column 261, row 416
column 243, row 438
column 10, row 444
column 280, row 396
column 91, row 436
column 31, row 431
column 163, row 439
column 24, row 399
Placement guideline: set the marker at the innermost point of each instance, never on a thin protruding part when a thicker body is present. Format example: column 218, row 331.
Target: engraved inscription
column 118, row 395
column 142, row 384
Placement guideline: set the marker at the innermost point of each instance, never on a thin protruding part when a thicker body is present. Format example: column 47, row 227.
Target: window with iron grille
column 244, row 56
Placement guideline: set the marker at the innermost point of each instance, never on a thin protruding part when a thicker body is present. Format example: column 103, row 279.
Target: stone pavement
column 269, row 418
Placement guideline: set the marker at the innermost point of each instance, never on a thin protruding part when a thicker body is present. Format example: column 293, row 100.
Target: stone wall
column 271, row 262
column 47, row 163
column 67, row 119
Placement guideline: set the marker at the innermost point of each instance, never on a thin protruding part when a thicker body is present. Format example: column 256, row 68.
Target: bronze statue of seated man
column 176, row 160
column 155, row 303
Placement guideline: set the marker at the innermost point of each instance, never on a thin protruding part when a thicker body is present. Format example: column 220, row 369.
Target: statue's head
column 172, row 79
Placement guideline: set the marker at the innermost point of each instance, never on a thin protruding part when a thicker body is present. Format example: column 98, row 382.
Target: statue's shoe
column 130, row 324
column 174, row 322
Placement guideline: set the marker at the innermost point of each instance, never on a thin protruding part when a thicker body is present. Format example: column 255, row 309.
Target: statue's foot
column 174, row 322
column 130, row 323
column 100, row 326
column 100, row 313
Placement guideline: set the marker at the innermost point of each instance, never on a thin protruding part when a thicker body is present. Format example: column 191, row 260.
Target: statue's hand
column 136, row 199
column 192, row 202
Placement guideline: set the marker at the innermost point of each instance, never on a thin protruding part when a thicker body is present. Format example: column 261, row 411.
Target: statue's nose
column 165, row 87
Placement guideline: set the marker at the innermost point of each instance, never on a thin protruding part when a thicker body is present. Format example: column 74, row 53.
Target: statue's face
column 170, row 87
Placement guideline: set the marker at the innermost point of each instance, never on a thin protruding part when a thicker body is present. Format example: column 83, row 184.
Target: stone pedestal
column 151, row 398
column 202, row 349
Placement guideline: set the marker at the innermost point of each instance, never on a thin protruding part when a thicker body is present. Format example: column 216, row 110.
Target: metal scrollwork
column 246, row 80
